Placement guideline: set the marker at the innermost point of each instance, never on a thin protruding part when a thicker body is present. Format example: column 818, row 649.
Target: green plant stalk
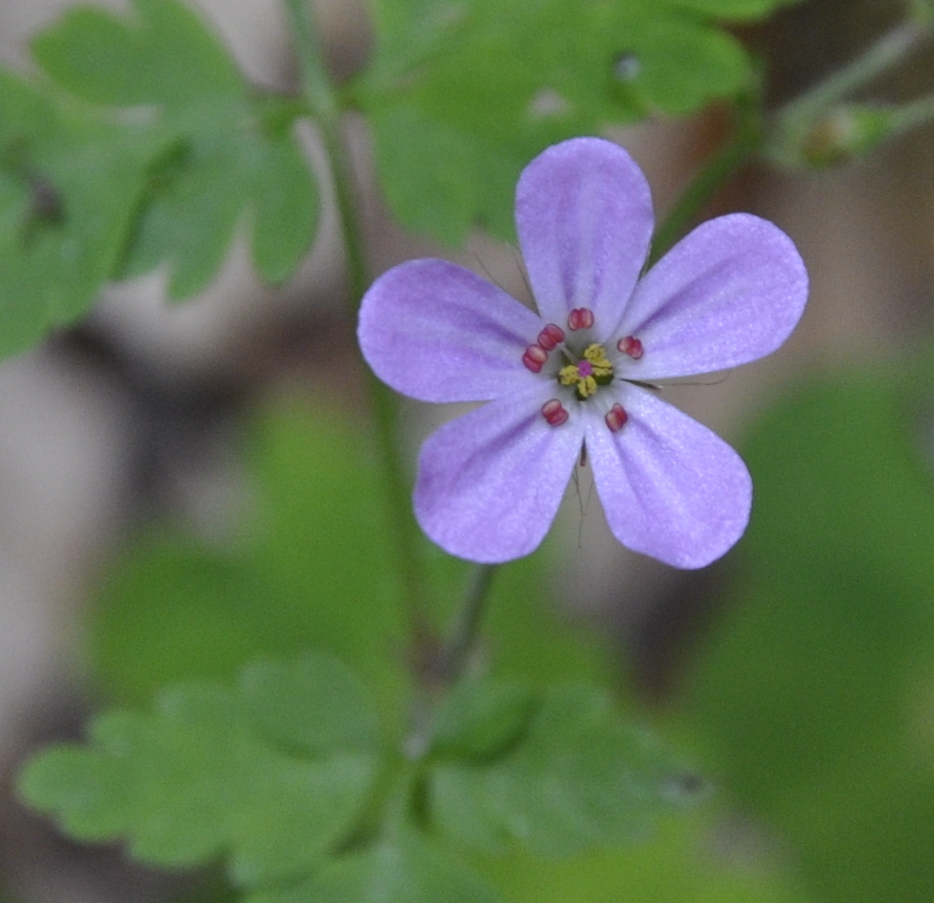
column 452, row 662
column 878, row 58
column 463, row 638
column 323, row 105
column 911, row 115
column 792, row 124
column 721, row 166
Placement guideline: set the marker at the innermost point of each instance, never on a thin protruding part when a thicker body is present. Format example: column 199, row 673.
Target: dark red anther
column 580, row 318
column 550, row 337
column 534, row 358
column 631, row 346
column 616, row 418
column 554, row 412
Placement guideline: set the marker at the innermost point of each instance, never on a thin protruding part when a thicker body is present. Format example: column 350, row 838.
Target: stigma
column 589, row 373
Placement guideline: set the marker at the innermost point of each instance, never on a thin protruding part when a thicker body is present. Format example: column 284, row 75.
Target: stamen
column 550, row 337
column 580, row 318
column 534, row 358
column 591, row 371
column 554, row 412
column 616, row 418
column 631, row 346
column 595, row 356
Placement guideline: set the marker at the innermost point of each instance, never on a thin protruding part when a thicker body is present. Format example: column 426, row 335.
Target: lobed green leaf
column 404, row 868
column 235, row 151
column 581, row 776
column 70, row 184
column 461, row 95
column 201, row 776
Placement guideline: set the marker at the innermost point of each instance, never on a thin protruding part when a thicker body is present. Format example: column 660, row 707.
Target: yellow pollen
column 597, row 370
column 598, row 359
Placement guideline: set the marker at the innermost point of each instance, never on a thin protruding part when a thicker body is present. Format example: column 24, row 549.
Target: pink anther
column 550, row 337
column 616, row 418
column 534, row 358
column 554, row 412
column 631, row 346
column 580, row 318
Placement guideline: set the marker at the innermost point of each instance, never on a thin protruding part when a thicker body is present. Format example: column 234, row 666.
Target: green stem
column 452, row 662
column 793, row 127
column 463, row 639
column 878, row 58
column 716, row 171
column 321, row 96
column 913, row 114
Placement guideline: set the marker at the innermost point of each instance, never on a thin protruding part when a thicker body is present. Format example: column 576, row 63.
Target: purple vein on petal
column 438, row 332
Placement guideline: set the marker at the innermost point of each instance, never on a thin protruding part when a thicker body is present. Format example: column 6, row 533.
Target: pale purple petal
column 437, row 332
column 584, row 217
column 670, row 487
column 490, row 482
column 728, row 293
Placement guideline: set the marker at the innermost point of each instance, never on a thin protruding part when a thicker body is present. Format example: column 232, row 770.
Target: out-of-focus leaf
column 733, row 9
column 686, row 860
column 813, row 693
column 581, row 776
column 461, row 95
column 480, row 719
column 313, row 568
column 70, row 184
column 235, row 152
column 200, row 777
column 406, row 868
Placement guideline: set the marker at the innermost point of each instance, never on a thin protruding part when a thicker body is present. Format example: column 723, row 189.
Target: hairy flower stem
column 320, row 95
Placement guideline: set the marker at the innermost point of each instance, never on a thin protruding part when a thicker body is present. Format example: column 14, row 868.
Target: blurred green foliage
column 232, row 150
column 141, row 145
column 465, row 93
column 211, row 770
column 814, row 693
column 311, row 568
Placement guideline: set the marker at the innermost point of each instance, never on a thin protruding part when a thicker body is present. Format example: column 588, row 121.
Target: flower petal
column 670, row 487
column 584, row 217
column 728, row 293
column 489, row 483
column 437, row 332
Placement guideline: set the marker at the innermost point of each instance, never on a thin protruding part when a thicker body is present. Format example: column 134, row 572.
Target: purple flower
column 573, row 375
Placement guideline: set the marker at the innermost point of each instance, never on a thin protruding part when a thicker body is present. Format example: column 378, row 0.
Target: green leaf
column 406, row 868
column 164, row 55
column 312, row 705
column 480, row 718
column 462, row 95
column 310, row 568
column 813, row 692
column 313, row 567
column 580, row 777
column 686, row 860
column 236, row 150
column 70, row 184
column 734, row 9
column 200, row 777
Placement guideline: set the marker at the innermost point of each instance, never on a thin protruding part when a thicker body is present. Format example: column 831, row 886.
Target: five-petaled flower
column 574, row 375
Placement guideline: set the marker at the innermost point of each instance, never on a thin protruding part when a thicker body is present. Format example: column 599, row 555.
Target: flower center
column 591, row 371
column 587, row 374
